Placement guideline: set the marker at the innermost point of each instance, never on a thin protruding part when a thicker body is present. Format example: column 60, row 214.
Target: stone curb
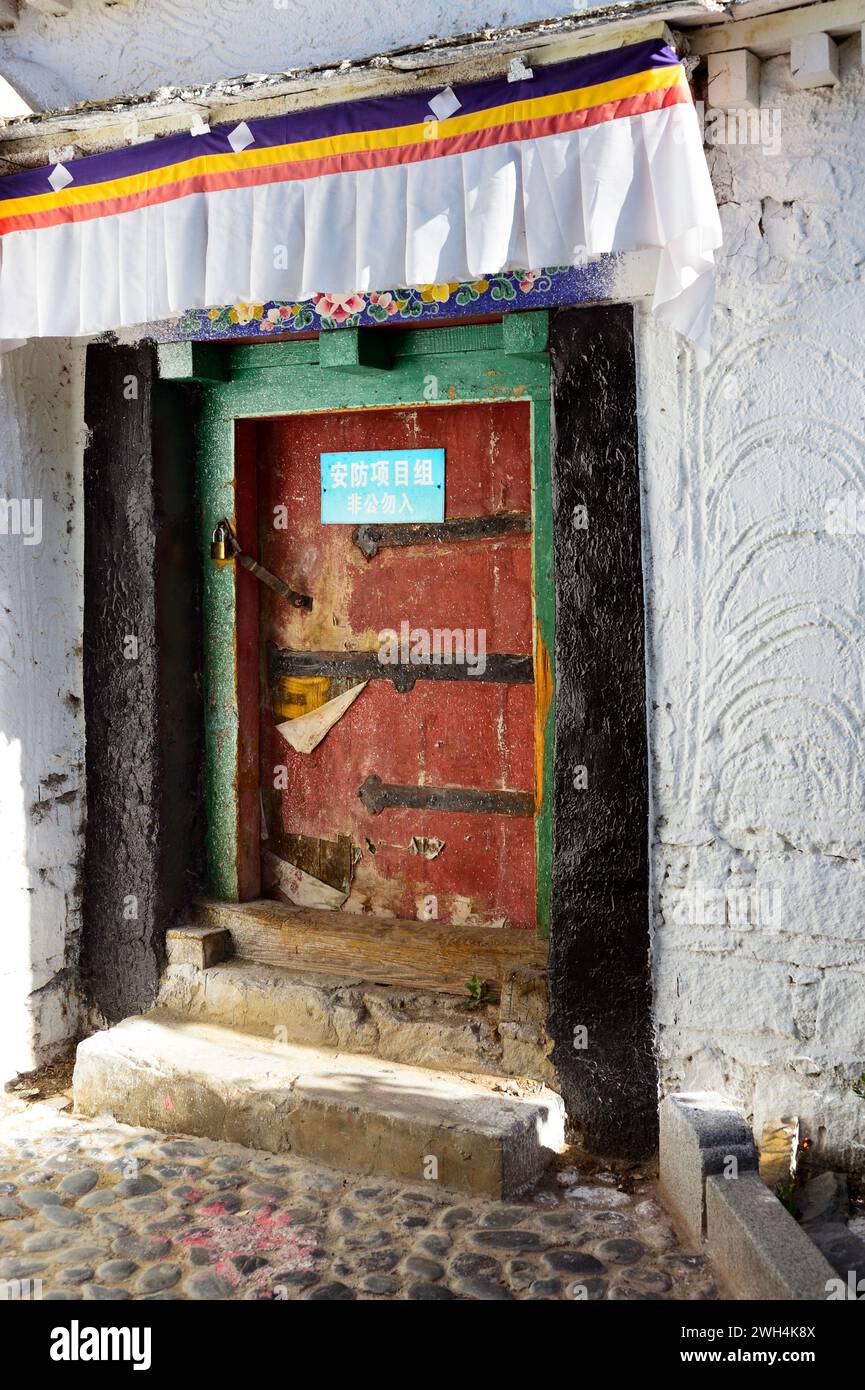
column 700, row 1134
column 710, row 1178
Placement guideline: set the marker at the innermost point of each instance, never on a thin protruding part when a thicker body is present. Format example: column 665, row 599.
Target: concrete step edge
column 355, row 1112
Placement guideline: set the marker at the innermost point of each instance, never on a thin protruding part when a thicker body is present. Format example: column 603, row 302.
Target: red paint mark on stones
column 248, row 1235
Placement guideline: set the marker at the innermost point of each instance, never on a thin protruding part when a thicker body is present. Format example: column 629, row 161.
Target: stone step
column 355, row 1112
column 416, row 1027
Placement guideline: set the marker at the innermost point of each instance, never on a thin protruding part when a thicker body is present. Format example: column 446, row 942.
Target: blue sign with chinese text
column 385, row 485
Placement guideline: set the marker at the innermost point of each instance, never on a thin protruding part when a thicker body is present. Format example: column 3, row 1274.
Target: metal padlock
column 217, row 544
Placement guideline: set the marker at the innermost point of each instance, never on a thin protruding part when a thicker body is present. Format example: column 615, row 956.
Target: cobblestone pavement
column 96, row 1210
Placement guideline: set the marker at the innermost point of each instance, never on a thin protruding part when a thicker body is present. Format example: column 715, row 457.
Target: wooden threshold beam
column 379, row 950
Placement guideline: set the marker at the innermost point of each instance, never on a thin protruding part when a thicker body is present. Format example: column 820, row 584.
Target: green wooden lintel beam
column 526, row 334
column 203, row 362
column 355, row 349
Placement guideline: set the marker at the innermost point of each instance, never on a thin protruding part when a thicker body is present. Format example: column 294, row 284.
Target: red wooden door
column 457, row 865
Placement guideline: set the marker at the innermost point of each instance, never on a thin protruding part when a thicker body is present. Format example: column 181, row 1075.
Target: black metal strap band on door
column 370, row 539
column 378, row 796
column 500, row 668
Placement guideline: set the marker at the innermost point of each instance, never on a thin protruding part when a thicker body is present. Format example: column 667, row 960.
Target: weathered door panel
column 466, row 733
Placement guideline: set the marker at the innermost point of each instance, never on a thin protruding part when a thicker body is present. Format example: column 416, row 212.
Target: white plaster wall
column 756, row 636
column 41, row 712
column 101, row 49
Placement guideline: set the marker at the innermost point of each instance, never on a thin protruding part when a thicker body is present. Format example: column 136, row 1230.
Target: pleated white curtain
column 620, row 185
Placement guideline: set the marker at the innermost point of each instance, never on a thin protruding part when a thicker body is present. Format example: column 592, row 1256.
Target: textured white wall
column 41, row 713
column 756, row 637
column 101, row 49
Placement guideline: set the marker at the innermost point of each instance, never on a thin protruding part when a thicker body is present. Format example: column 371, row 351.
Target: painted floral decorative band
column 536, row 289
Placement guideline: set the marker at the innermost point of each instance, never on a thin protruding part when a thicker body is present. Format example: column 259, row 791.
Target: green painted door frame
column 350, row 369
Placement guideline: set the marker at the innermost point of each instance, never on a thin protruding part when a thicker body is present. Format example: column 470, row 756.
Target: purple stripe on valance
column 369, row 113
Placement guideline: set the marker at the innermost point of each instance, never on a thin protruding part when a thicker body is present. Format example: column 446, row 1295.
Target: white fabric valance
column 601, row 154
